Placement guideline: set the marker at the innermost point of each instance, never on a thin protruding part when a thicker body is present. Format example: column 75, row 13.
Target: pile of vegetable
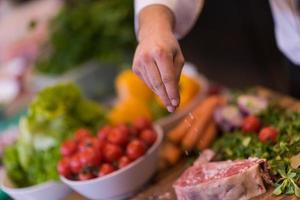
column 89, row 30
column 135, row 99
column 52, row 117
column 196, row 131
column 85, row 157
column 253, row 128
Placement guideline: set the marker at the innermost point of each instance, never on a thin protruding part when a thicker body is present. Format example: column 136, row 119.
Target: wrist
column 155, row 19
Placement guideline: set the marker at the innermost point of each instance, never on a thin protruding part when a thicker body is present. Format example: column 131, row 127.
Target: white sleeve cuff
column 185, row 11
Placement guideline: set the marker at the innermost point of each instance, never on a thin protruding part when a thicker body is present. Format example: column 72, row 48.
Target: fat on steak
column 224, row 180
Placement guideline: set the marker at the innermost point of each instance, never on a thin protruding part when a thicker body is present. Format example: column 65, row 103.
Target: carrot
column 178, row 133
column 201, row 121
column 171, row 153
column 208, row 136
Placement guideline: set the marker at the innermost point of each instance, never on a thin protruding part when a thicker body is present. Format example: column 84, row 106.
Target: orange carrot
column 178, row 133
column 201, row 121
column 171, row 153
column 208, row 136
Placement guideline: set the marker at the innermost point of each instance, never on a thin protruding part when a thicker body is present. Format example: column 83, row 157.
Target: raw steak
column 225, row 180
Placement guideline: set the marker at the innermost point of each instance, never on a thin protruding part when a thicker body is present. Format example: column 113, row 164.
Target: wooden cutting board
column 161, row 186
column 162, row 189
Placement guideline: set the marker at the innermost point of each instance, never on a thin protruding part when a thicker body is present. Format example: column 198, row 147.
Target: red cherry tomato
column 68, row 148
column 112, row 152
column 83, row 176
column 63, row 167
column 123, row 161
column 133, row 132
column 251, row 124
column 148, row 136
column 81, row 134
column 268, row 134
column 90, row 157
column 75, row 164
column 103, row 132
column 118, row 136
column 142, row 123
column 105, row 169
column 135, row 149
column 123, row 128
column 90, row 142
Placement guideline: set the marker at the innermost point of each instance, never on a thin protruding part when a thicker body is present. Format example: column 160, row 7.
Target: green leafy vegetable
column 53, row 116
column 89, row 30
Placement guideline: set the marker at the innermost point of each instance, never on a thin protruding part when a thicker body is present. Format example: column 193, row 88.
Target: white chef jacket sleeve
column 185, row 12
column 287, row 28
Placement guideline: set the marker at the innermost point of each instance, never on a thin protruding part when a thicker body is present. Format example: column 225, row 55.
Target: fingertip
column 170, row 109
column 174, row 102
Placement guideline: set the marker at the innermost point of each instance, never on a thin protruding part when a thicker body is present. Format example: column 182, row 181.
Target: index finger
column 157, row 84
column 169, row 77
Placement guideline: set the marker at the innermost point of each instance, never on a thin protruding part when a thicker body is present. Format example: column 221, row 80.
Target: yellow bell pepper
column 129, row 85
column 188, row 89
column 127, row 110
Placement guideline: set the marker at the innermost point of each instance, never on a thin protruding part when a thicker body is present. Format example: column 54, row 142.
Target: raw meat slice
column 225, row 180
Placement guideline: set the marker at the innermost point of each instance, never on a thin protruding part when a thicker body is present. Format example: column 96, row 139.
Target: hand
column 158, row 60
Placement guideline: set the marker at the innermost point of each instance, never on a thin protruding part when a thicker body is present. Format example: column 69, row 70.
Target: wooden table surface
column 161, row 187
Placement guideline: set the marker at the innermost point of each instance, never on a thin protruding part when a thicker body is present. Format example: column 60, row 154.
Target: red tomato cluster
column 252, row 124
column 86, row 156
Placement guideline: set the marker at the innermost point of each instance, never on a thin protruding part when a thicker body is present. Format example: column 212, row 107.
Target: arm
column 185, row 13
column 158, row 58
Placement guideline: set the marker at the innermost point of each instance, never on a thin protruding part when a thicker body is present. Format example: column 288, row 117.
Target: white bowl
column 52, row 190
column 122, row 183
column 168, row 122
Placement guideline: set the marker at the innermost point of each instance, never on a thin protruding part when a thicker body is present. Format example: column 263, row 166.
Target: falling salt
column 166, row 195
column 196, row 129
column 191, row 115
column 188, row 121
column 186, row 152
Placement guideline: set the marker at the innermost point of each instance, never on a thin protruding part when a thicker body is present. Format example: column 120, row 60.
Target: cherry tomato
column 251, row 124
column 123, row 161
column 142, row 123
column 105, row 169
column 112, row 152
column 123, row 128
column 68, row 148
column 118, row 136
column 81, row 134
column 75, row 164
column 135, row 149
column 83, row 176
column 133, row 131
column 63, row 167
column 90, row 157
column 103, row 132
column 91, row 142
column 268, row 134
column 148, row 136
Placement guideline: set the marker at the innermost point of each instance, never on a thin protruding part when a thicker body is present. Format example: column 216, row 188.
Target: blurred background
column 236, row 45
column 45, row 41
column 90, row 42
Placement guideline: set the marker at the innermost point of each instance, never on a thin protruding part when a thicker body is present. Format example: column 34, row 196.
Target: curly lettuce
column 53, row 116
